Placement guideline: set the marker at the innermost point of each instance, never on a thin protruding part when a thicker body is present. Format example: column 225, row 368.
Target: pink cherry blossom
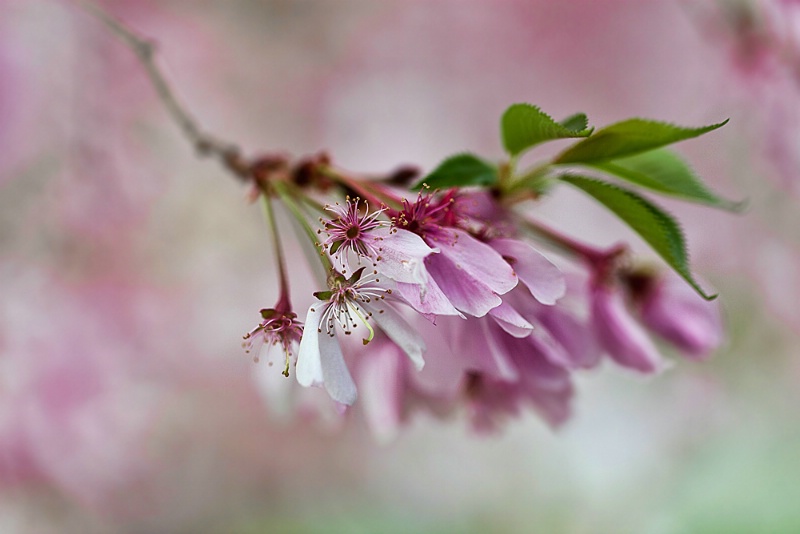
column 538, row 384
column 397, row 253
column 468, row 273
column 563, row 338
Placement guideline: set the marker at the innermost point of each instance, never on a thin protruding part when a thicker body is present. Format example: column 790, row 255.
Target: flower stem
column 289, row 202
column 284, row 302
column 598, row 259
column 145, row 50
column 363, row 190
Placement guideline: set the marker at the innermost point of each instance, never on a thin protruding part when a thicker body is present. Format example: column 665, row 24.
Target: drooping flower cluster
column 454, row 304
column 455, row 262
column 455, row 257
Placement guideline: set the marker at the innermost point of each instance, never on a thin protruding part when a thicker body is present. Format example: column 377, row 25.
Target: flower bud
column 672, row 310
column 620, row 335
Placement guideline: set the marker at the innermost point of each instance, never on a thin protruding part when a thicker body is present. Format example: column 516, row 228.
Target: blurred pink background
column 130, row 268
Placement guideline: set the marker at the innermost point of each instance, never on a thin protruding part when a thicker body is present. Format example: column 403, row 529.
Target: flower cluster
column 449, row 270
column 453, row 302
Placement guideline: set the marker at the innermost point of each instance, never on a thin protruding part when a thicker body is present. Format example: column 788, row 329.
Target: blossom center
column 348, row 231
column 352, row 232
column 425, row 214
column 345, row 302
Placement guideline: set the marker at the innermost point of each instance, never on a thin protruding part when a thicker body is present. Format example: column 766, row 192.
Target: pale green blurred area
column 628, row 463
column 705, row 448
column 702, row 449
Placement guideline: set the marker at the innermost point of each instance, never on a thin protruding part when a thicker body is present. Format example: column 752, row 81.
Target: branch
column 205, row 144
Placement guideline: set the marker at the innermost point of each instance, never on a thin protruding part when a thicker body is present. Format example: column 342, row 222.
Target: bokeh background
column 129, row 267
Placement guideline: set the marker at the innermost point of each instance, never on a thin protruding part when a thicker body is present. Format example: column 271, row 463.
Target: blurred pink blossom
column 619, row 334
column 674, row 311
column 73, row 414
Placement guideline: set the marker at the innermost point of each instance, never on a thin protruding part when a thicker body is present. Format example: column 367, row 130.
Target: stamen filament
column 364, row 322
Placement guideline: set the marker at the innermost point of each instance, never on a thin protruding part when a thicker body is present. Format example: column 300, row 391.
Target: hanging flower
column 619, row 334
column 396, row 253
column 349, row 303
column 279, row 327
column 670, row 308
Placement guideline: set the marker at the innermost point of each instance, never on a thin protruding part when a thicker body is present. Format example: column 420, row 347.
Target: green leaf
column 576, row 122
column 627, row 138
column 657, row 227
column 524, row 126
column 323, row 295
column 665, row 172
column 459, row 171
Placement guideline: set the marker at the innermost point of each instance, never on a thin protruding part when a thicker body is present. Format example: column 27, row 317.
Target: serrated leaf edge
column 700, row 130
column 585, row 132
column 660, row 214
column 713, row 199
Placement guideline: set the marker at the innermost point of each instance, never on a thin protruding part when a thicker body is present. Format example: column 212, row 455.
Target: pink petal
column 676, row 313
column 555, row 407
column 466, row 293
column 622, row 337
column 381, row 381
column 481, row 351
column 551, row 349
column 511, row 321
column 427, row 298
column 475, row 260
column 534, row 369
column 575, row 337
column 444, row 367
column 543, row 278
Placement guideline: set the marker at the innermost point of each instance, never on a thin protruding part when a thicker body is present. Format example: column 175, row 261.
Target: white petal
column 402, row 254
column 309, row 367
column 338, row 382
column 399, row 331
column 275, row 389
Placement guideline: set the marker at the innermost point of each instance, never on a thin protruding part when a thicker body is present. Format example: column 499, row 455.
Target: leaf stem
column 530, row 182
